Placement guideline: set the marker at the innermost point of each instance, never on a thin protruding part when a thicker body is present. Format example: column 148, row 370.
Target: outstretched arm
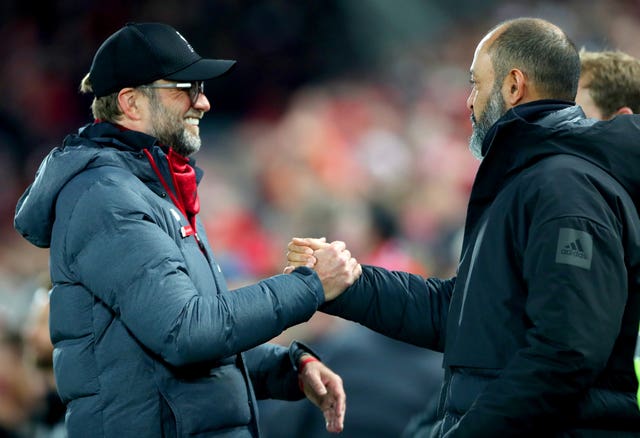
column 401, row 305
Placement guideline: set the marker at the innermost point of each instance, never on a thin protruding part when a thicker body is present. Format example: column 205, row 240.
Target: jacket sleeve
column 397, row 304
column 636, row 366
column 576, row 283
column 136, row 269
column 274, row 370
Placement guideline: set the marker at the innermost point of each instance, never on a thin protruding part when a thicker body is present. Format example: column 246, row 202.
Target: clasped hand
column 331, row 261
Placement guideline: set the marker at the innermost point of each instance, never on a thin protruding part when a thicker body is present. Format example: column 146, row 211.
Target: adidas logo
column 574, row 249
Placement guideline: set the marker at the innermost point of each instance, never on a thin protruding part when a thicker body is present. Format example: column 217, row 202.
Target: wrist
column 304, row 360
column 298, row 350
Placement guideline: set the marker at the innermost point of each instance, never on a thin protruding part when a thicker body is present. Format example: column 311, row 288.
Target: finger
column 332, row 423
column 335, row 425
column 339, row 245
column 334, row 417
column 334, row 405
column 312, row 242
column 288, row 270
column 309, row 263
column 333, row 251
column 339, row 398
column 296, row 257
column 302, row 249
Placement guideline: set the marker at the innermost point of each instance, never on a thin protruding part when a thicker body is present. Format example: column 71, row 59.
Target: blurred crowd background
column 343, row 118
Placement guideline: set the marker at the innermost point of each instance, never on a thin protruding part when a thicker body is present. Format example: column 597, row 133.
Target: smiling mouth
column 192, row 121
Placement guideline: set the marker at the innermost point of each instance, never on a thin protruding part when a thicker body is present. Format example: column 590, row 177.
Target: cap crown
column 137, row 54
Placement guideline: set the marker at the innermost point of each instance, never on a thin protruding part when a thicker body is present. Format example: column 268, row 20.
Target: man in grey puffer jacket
column 148, row 340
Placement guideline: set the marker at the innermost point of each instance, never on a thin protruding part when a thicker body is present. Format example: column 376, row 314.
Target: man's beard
column 169, row 129
column 495, row 108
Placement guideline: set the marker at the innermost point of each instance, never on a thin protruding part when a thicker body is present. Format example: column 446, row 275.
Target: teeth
column 192, row 121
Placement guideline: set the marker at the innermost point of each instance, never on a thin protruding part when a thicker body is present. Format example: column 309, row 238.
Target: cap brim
column 202, row 70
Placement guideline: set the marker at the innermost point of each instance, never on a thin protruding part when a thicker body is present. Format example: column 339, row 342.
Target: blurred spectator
column 609, row 84
column 13, row 147
column 386, row 248
column 48, row 418
column 19, row 387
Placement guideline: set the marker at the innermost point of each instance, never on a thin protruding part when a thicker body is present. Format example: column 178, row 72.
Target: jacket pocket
column 208, row 403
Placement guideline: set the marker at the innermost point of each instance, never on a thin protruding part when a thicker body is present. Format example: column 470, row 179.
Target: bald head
column 541, row 50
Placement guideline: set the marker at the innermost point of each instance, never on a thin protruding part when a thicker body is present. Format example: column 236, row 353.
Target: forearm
column 400, row 305
column 236, row 321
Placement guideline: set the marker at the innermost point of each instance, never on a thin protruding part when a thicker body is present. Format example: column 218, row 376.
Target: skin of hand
column 324, row 389
column 331, row 261
column 301, row 252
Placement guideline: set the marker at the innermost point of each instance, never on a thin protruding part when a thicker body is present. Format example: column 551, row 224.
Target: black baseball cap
column 140, row 53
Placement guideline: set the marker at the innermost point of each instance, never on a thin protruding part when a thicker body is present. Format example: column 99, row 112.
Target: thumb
column 315, row 384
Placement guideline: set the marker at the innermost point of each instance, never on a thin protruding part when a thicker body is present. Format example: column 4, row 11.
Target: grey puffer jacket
column 149, row 342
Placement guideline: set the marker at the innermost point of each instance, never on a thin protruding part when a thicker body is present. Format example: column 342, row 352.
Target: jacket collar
column 512, row 144
column 109, row 134
column 513, row 141
column 529, row 113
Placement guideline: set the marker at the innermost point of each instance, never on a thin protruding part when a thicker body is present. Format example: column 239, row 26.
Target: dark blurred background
column 336, row 102
column 343, row 118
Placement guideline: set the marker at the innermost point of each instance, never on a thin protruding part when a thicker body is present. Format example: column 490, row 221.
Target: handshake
column 331, row 261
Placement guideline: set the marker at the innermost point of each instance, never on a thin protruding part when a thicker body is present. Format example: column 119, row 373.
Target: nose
column 202, row 103
column 470, row 100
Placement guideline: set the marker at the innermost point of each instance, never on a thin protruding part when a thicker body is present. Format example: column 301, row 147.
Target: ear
column 514, row 88
column 623, row 110
column 129, row 102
